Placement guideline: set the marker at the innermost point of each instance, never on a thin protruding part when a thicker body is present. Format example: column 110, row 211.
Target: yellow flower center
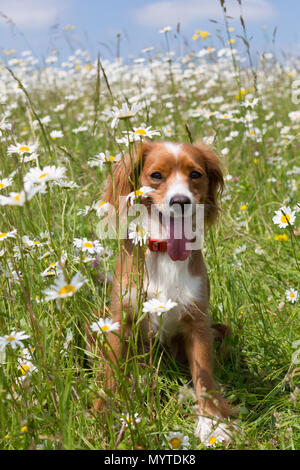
column 243, row 207
column 10, row 338
column 24, row 429
column 24, row 368
column 105, row 328
column 175, row 443
column 138, row 193
column 88, row 244
column 111, row 158
column 204, row 34
column 43, row 175
column 101, row 203
column 212, row 440
column 36, row 243
column 24, row 148
column 2, row 235
column 285, row 218
column 1, row 185
column 141, row 132
column 281, row 238
column 17, row 197
column 292, row 295
column 67, row 289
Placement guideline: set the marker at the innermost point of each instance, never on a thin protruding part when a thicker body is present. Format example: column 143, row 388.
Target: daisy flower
column 14, row 339
column 25, row 363
column 62, row 289
column 144, row 132
column 26, row 367
column 56, row 135
column 101, row 207
column 104, row 325
column 240, row 249
column 166, row 29
column 284, row 216
column 211, row 432
column 85, row 211
column 124, row 113
column 85, row 245
column 137, row 234
column 131, row 420
column 13, row 199
column 50, row 270
column 30, row 158
column 21, row 149
column 59, row 107
column 168, row 131
column 158, row 306
column 4, row 183
column 104, row 157
column 144, row 191
column 48, row 173
column 30, row 243
column 19, row 199
column 67, row 184
column 291, row 295
column 80, row 129
column 4, row 235
column 176, row 440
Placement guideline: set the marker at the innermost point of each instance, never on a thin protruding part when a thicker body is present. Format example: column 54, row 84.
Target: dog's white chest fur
column 166, row 279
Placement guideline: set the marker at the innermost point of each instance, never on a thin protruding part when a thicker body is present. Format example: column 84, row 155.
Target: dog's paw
column 211, row 431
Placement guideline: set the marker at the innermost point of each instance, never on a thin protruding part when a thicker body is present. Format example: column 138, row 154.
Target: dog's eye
column 195, row 175
column 156, row 175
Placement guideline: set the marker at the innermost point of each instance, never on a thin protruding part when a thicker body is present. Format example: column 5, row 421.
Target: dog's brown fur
column 197, row 333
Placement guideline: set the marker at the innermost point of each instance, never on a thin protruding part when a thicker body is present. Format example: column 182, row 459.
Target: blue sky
column 39, row 24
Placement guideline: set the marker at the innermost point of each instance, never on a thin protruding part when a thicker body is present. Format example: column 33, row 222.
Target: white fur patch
column 174, row 149
column 178, row 188
column 211, row 431
column 166, row 279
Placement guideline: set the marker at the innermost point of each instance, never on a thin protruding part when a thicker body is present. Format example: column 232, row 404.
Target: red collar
column 158, row 246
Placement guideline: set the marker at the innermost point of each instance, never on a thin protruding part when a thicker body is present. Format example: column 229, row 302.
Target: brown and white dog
column 185, row 175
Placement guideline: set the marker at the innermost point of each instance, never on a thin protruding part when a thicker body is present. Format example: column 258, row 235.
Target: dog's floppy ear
column 215, row 182
column 126, row 174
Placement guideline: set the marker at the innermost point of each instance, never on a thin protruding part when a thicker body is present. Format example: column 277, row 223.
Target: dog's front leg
column 212, row 406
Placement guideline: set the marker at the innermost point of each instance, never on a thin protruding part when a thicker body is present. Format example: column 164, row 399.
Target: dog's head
column 180, row 174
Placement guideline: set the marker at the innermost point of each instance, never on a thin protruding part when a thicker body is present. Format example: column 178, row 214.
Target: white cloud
column 32, row 14
column 188, row 11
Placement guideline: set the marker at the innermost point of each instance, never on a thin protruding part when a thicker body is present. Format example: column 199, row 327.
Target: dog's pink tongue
column 176, row 246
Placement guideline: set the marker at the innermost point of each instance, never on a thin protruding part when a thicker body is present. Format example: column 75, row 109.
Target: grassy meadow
column 62, row 128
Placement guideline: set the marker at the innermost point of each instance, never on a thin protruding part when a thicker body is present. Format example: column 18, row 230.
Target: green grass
column 50, row 408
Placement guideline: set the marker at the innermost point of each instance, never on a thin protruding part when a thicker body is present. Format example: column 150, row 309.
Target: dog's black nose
column 180, row 199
